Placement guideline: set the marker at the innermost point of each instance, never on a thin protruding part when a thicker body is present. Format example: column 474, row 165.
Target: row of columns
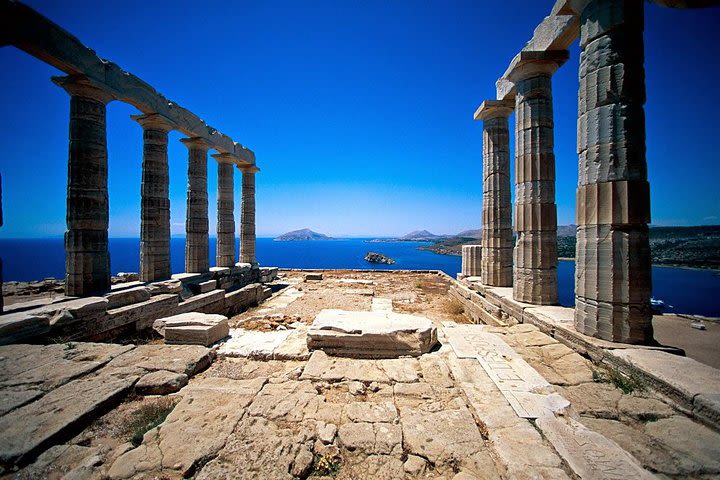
column 612, row 279
column 87, row 259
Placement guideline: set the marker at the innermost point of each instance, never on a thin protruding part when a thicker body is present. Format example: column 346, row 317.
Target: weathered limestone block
column 193, row 328
column 371, row 334
column 203, row 287
column 613, row 279
column 210, row 302
column 17, row 326
column 167, row 286
column 247, row 218
column 535, row 257
column 496, row 261
column 160, row 382
column 268, row 274
column 196, row 224
column 155, row 201
column 141, row 314
column 187, row 359
column 471, row 260
column 87, row 260
column 127, row 296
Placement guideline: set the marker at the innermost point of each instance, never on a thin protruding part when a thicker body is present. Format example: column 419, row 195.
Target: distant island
column 695, row 247
column 376, row 257
column 303, row 234
column 425, row 236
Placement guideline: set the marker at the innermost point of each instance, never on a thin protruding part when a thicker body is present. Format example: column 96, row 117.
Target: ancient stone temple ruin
column 245, row 372
column 92, row 83
column 613, row 280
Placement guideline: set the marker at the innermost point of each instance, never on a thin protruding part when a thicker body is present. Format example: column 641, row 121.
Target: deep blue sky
column 360, row 112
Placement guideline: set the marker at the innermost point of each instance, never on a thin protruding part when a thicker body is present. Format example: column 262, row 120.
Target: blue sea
column 687, row 291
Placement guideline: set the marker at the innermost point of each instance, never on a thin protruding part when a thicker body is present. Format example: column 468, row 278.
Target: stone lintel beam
column 26, row 29
column 229, row 158
column 154, row 121
column 555, row 32
column 494, row 109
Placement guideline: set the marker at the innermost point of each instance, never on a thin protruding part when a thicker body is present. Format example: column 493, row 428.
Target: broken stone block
column 203, row 287
column 371, row 334
column 313, row 276
column 193, row 328
column 125, row 297
column 161, row 382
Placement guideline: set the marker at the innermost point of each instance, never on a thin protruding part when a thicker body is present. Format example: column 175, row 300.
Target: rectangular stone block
column 203, row 287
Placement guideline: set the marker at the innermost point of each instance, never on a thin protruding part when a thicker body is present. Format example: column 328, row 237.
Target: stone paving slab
column 195, row 430
column 187, row 359
column 527, row 391
column 324, row 367
column 29, row 429
column 252, row 343
column 380, row 304
column 45, row 367
column 589, row 454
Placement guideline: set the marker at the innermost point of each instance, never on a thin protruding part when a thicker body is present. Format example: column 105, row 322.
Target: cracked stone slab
column 194, row 431
column 252, row 343
column 381, row 304
column 187, row 359
column 376, row 334
column 527, row 391
column 589, row 454
column 45, row 367
column 37, row 425
column 322, row 366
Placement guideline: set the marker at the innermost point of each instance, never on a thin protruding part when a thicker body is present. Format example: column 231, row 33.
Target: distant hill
column 420, row 235
column 470, row 233
column 697, row 247
column 304, row 234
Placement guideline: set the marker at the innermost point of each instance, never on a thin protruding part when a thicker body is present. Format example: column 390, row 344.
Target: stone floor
column 489, row 402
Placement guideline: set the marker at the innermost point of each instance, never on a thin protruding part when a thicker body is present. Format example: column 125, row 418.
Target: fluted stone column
column 247, row 219
column 535, row 254
column 197, row 247
column 154, row 199
column 613, row 281
column 472, row 260
column 87, row 260
column 497, row 247
column 225, row 252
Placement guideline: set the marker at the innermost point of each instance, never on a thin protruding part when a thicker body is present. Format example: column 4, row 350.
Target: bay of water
column 688, row 291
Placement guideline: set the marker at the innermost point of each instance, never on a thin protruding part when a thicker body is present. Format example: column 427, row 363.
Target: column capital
column 197, row 142
column 494, row 109
column 530, row 64
column 81, row 86
column 154, row 121
column 225, row 157
column 248, row 168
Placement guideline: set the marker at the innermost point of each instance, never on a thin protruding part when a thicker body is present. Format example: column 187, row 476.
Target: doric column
column 197, row 248
column 154, row 199
column 535, row 254
column 87, row 260
column 225, row 254
column 613, row 275
column 247, row 219
column 497, row 248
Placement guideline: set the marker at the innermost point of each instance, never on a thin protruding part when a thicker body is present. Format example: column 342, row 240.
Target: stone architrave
column 535, row 254
column 247, row 218
column 154, row 199
column 87, row 259
column 472, row 256
column 497, row 248
column 197, row 247
column 613, row 281
column 225, row 251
